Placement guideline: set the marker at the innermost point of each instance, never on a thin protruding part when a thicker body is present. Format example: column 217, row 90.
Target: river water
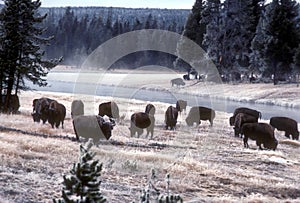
column 164, row 96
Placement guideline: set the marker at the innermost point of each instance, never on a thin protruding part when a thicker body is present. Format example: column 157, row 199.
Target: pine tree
column 21, row 54
column 83, row 185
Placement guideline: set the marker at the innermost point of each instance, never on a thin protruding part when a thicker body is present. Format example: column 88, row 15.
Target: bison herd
column 245, row 121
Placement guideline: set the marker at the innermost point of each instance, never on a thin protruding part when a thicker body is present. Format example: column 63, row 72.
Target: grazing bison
column 181, row 105
column 77, row 108
column 244, row 110
column 171, row 117
column 41, row 109
column 110, row 109
column 150, row 109
column 240, row 119
column 96, row 127
column 290, row 126
column 198, row 113
column 57, row 114
column 13, row 106
column 263, row 133
column 139, row 121
column 177, row 82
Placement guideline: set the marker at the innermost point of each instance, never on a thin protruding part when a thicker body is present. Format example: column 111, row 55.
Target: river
column 165, row 96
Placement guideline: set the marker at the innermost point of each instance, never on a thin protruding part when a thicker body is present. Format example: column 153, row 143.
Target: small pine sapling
column 83, row 185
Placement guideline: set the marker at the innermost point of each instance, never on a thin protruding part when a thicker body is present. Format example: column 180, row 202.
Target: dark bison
column 96, row 127
column 139, row 121
column 41, row 109
column 171, row 116
column 263, row 133
column 181, row 105
column 290, row 126
column 77, row 108
column 244, row 110
column 198, row 113
column 13, row 106
column 177, row 82
column 150, row 109
column 240, row 119
column 110, row 109
column 186, row 77
column 57, row 114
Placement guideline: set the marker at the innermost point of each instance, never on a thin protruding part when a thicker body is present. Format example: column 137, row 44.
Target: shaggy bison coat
column 95, row 127
column 41, row 109
column 244, row 110
column 57, row 114
column 198, row 113
column 290, row 126
column 77, row 108
column 181, row 105
column 171, row 116
column 263, row 133
column 110, row 109
column 240, row 119
column 139, row 121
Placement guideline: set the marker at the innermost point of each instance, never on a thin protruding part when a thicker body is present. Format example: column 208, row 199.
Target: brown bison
column 263, row 133
column 177, row 82
column 77, row 108
column 57, row 114
column 110, row 109
column 181, row 105
column 171, row 116
column 139, row 121
column 240, row 119
column 198, row 113
column 96, row 127
column 290, row 126
column 41, row 109
column 244, row 110
column 150, row 109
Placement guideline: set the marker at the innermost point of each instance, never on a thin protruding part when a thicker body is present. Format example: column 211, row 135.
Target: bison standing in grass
column 198, row 113
column 57, row 114
column 178, row 82
column 139, row 121
column 290, row 126
column 41, row 109
column 244, row 110
column 263, row 133
column 171, row 116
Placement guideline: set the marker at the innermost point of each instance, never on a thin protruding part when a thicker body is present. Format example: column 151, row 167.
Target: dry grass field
column 206, row 164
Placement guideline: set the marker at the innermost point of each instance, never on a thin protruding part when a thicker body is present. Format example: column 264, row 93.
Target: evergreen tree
column 83, row 185
column 21, row 54
column 282, row 37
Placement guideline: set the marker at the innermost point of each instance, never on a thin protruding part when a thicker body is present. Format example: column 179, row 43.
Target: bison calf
column 290, row 126
column 198, row 113
column 263, row 133
column 171, row 116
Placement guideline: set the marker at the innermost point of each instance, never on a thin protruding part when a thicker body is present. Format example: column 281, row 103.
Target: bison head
column 272, row 144
column 106, row 125
column 36, row 117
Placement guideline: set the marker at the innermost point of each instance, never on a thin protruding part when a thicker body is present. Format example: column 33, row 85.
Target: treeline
column 245, row 37
column 78, row 31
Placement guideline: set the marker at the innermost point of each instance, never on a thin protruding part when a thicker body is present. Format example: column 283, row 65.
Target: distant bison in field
column 263, row 133
column 177, row 82
column 244, row 110
column 41, row 109
column 77, row 108
column 240, row 119
column 290, row 126
column 57, row 114
column 96, row 127
column 181, row 105
column 171, row 116
column 110, row 109
column 198, row 113
column 140, row 121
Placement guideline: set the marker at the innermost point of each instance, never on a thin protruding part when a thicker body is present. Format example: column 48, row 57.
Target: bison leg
column 246, row 142
column 211, row 122
column 259, row 145
column 287, row 134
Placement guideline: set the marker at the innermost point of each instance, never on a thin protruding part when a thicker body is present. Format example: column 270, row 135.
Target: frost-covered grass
column 206, row 164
